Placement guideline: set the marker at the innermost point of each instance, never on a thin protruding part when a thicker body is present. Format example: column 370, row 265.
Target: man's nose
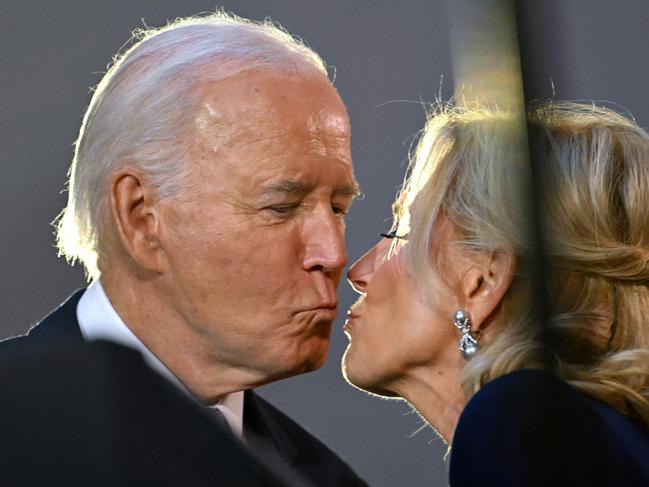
column 325, row 245
column 360, row 273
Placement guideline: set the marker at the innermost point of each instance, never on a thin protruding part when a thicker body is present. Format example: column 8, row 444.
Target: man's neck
column 174, row 342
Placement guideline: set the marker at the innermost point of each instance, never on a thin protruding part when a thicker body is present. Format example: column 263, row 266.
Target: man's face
column 256, row 250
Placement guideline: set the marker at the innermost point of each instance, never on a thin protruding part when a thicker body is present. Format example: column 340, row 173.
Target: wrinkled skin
column 255, row 253
column 403, row 342
column 396, row 332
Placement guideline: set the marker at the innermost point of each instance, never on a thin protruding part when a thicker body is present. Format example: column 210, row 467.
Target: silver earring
column 468, row 342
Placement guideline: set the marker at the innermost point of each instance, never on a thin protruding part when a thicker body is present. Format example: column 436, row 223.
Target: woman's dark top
column 530, row 428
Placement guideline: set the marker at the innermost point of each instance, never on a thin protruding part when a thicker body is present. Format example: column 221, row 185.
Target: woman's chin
column 363, row 374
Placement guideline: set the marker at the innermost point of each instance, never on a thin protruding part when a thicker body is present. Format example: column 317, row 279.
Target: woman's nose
column 360, row 273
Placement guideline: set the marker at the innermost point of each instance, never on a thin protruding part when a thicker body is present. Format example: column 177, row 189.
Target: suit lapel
column 263, row 430
column 265, row 427
column 60, row 325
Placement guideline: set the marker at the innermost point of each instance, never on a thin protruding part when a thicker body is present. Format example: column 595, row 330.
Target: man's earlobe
column 132, row 206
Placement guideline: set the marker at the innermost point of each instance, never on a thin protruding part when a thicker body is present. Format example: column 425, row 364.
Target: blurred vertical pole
column 533, row 85
column 485, row 54
column 488, row 71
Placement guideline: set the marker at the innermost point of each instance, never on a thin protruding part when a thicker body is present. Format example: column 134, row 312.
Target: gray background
column 388, row 56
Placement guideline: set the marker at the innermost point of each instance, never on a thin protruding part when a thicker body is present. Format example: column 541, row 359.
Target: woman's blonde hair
column 593, row 167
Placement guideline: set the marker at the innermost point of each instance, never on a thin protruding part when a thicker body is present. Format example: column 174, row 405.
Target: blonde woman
column 445, row 316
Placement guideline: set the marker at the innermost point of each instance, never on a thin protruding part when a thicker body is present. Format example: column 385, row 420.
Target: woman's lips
column 351, row 316
column 353, row 313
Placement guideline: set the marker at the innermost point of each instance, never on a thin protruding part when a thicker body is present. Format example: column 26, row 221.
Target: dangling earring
column 468, row 342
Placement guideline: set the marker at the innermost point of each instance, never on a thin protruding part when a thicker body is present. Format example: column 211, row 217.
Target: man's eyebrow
column 353, row 191
column 287, row 188
column 291, row 187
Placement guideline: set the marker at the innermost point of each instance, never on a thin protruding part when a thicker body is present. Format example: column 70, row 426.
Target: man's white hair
column 140, row 113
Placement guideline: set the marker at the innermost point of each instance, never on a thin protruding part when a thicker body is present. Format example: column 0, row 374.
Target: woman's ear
column 485, row 284
column 133, row 206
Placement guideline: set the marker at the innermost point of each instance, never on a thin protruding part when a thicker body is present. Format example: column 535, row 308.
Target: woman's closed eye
column 393, row 234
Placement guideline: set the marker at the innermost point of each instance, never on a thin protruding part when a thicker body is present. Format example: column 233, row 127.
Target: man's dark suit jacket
column 114, row 380
column 529, row 428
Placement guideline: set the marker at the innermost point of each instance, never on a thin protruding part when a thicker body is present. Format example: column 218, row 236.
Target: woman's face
column 398, row 327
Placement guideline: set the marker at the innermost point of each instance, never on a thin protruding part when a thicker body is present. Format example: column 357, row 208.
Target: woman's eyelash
column 393, row 234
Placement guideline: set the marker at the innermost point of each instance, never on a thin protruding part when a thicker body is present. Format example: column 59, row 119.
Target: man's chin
column 301, row 362
column 314, row 352
column 314, row 360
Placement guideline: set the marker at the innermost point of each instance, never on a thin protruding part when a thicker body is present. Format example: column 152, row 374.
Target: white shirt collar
column 98, row 320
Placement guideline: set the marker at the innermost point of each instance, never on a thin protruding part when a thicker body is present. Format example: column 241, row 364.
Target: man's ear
column 485, row 284
column 136, row 218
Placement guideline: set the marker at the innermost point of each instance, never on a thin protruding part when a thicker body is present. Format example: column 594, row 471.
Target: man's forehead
column 254, row 98
column 277, row 134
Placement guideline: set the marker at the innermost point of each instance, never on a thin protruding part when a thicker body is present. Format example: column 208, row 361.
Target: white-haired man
column 207, row 200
